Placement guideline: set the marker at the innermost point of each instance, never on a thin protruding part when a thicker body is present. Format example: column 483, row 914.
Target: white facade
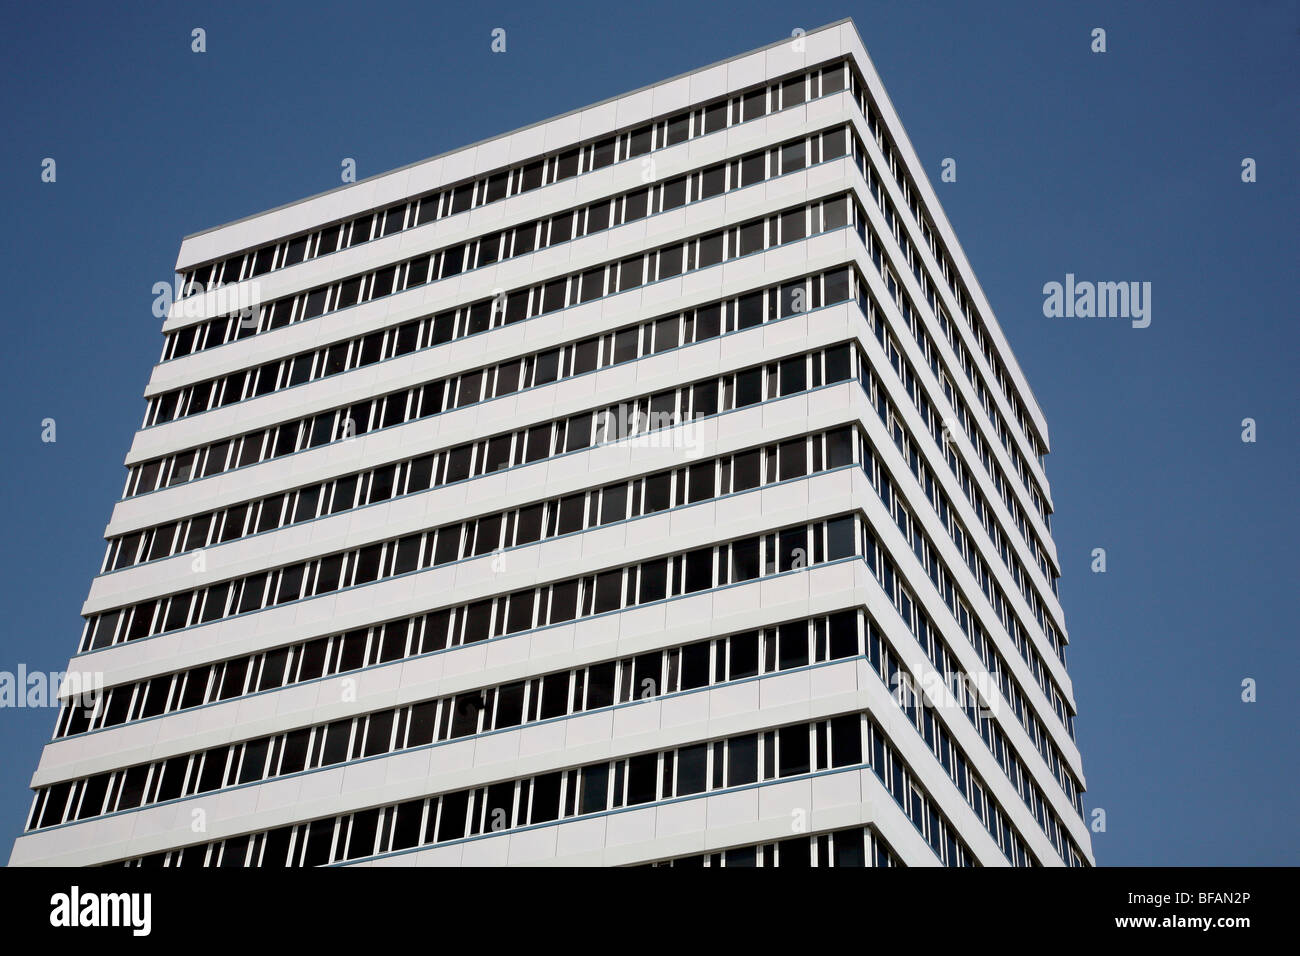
column 91, row 810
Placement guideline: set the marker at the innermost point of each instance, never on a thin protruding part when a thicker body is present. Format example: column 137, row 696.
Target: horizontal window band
column 742, row 472
column 1053, row 633
column 896, row 169
column 844, row 743
column 704, row 119
column 660, row 414
column 905, row 605
column 263, row 839
column 872, row 387
column 376, row 347
column 860, row 846
column 659, row 674
column 275, row 441
column 877, row 324
column 247, row 318
column 721, row 318
column 864, row 373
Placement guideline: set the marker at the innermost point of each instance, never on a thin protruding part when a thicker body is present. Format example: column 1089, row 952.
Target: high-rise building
column 652, row 484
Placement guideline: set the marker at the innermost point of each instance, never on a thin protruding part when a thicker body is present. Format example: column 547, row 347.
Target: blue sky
column 1122, row 166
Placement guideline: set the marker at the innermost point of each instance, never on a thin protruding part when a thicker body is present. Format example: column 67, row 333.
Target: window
column 843, row 637
column 836, row 213
column 677, row 129
column 531, row 176
column 478, row 620
column 794, row 377
column 792, row 456
column 360, row 230
column 566, row 164
column 674, row 193
column 692, row 764
column 572, row 510
column 496, row 187
column 702, row 482
column 752, row 240
column 296, row 251
column 546, row 798
column 792, row 225
column 840, row 538
column 793, row 750
column 642, row 779
column 562, row 228
column 695, row 665
column 749, row 387
column 592, row 285
column 715, row 117
column 613, row 504
column 595, row 788
column 710, row 250
column 608, row 592
column 793, row 643
column 846, row 740
column 742, row 760
column 602, row 155
column 564, row 602
column 631, row 273
column 600, row 685
column 713, row 181
column 699, row 570
column 792, row 92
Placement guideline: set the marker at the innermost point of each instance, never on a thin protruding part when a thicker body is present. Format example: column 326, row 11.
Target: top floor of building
column 629, row 128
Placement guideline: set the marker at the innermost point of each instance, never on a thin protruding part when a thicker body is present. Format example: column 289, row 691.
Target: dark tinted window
column 603, row 154
column 692, row 763
column 699, row 570
column 642, row 777
column 793, row 757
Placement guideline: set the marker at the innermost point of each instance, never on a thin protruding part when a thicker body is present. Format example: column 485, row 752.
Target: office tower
column 652, row 484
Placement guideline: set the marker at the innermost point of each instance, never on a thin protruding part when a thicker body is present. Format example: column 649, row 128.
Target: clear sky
column 1116, row 166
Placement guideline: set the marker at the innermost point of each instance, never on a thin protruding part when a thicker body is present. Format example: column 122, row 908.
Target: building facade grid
column 649, row 486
